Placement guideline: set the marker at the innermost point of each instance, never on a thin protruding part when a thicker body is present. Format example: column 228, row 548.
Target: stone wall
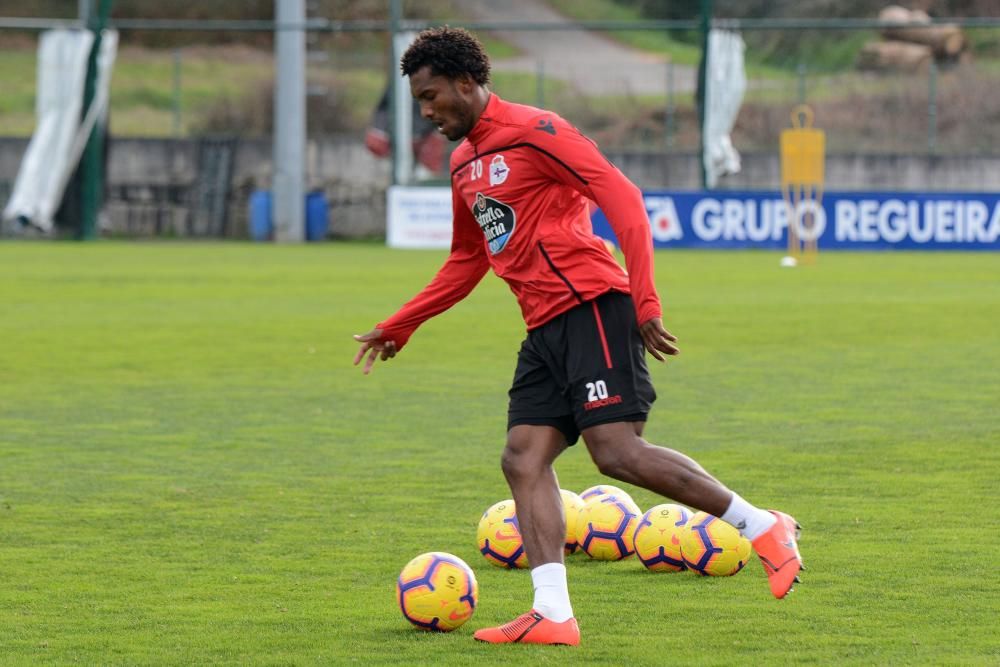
column 760, row 171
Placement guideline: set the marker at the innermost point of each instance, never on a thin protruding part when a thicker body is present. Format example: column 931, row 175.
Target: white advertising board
column 418, row 217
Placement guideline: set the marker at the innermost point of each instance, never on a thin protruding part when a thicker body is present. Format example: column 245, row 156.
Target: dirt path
column 591, row 62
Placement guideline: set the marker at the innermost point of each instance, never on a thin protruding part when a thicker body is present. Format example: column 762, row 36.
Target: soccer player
column 521, row 180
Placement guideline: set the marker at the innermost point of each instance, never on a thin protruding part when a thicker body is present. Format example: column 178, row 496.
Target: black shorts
column 584, row 367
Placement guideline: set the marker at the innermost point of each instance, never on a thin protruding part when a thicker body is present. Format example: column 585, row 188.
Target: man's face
column 445, row 102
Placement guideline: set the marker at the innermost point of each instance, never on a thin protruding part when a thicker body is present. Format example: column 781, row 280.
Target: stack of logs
column 912, row 47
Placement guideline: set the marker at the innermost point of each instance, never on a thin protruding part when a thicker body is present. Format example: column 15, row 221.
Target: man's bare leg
column 620, row 452
column 527, row 465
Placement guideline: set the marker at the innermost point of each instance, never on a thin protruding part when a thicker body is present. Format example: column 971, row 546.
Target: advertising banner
column 842, row 220
column 421, row 218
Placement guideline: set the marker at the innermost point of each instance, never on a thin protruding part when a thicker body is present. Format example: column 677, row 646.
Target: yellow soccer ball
column 603, row 489
column 657, row 538
column 437, row 591
column 605, row 529
column 712, row 547
column 572, row 506
column 499, row 536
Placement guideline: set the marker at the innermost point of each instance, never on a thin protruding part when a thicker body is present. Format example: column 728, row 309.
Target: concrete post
column 403, row 115
column 289, row 121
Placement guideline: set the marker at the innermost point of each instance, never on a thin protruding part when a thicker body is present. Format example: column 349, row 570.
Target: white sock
column 749, row 520
column 551, row 592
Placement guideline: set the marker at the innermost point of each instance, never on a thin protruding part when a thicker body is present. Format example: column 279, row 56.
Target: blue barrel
column 317, row 216
column 261, row 226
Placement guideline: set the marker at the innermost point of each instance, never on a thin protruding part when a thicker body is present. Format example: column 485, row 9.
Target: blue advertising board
column 844, row 220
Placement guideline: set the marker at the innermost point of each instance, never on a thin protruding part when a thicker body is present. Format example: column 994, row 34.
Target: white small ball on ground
column 788, row 261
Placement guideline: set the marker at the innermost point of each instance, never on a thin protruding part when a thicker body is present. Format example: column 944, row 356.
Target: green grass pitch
column 192, row 471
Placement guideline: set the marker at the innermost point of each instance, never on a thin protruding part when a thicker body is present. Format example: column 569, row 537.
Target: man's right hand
column 375, row 347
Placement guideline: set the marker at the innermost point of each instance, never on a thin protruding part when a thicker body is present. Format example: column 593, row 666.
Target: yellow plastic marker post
column 803, row 150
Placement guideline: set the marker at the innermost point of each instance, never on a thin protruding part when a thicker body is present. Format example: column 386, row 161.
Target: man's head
column 448, row 71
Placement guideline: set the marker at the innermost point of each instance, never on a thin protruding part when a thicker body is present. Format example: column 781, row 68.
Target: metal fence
column 635, row 102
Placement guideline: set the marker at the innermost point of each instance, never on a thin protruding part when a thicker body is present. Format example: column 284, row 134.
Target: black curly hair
column 450, row 52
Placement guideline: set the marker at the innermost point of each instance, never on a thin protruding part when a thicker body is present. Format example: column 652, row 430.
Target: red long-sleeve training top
column 520, row 181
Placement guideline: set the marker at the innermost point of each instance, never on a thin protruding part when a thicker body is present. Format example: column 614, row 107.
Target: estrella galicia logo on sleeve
column 496, row 219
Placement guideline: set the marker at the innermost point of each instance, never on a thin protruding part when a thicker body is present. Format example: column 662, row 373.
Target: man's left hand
column 658, row 340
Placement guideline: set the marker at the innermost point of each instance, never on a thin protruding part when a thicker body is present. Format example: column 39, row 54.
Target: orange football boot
column 532, row 628
column 779, row 553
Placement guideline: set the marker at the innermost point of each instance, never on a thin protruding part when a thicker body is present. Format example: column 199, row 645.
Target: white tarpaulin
column 60, row 135
column 725, row 83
